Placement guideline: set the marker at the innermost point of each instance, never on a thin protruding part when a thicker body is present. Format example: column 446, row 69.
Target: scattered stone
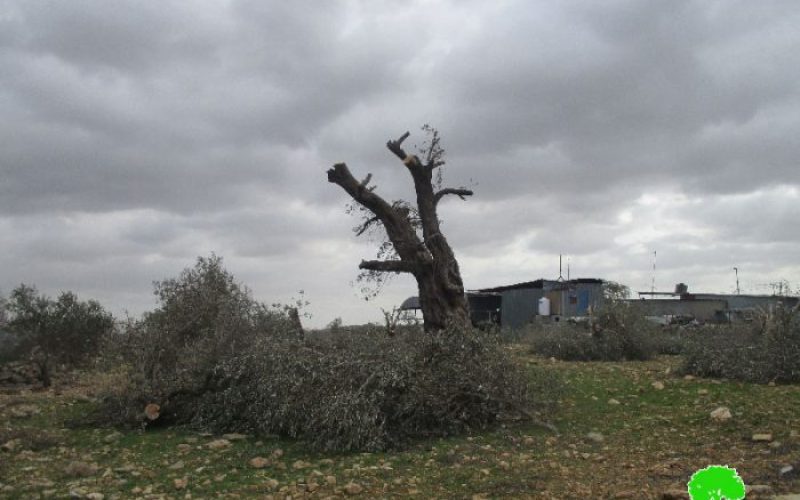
column 775, row 445
column 271, row 483
column 763, row 437
column 786, row 470
column 177, row 465
column 80, row 469
column 259, row 462
column 152, row 411
column 330, row 480
column 184, row 448
column 278, row 453
column 758, row 489
column 181, row 483
column 702, row 392
column 595, row 437
column 219, row 444
column 721, row 414
column 300, row 464
column 353, row 488
column 234, row 436
column 25, row 411
column 626, row 494
column 613, row 401
column 675, row 494
column 113, row 437
column 95, row 496
column 688, row 377
column 658, row 385
column 790, row 496
column 11, row 445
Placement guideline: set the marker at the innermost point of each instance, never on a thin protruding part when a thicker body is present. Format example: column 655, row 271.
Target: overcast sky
column 136, row 136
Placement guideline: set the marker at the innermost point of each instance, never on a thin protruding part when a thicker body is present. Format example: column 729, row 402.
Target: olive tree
column 415, row 242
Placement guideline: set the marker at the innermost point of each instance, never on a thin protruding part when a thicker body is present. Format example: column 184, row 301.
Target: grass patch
column 653, row 440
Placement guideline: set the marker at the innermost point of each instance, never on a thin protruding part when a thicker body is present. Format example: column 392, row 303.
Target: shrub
column 205, row 317
column 767, row 350
column 243, row 368
column 65, row 331
column 618, row 331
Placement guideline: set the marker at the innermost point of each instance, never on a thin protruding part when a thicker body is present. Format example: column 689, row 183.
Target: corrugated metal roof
column 539, row 284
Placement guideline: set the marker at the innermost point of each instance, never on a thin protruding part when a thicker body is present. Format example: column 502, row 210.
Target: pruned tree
column 415, row 243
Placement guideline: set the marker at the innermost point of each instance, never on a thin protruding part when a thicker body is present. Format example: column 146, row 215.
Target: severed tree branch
column 388, row 266
column 460, row 192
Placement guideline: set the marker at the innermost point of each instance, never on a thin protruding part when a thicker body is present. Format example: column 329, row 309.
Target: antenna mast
column 653, row 283
column 736, row 270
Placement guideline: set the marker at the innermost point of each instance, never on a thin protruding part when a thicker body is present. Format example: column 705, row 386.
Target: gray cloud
column 138, row 136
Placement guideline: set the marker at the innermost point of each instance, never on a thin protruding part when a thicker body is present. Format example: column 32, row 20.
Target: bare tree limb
column 367, row 223
column 394, row 146
column 460, row 192
column 398, row 228
column 388, row 266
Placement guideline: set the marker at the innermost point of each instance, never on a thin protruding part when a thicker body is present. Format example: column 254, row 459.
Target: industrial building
column 709, row 307
column 514, row 306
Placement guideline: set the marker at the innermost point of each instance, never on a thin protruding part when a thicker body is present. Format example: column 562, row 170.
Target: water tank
column 544, row 306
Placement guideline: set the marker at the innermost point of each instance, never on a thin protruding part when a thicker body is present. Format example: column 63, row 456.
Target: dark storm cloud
column 137, row 136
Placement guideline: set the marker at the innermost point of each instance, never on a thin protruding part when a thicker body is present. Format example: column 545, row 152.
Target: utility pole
column 736, row 270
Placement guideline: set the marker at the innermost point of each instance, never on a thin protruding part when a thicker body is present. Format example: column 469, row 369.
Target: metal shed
column 569, row 298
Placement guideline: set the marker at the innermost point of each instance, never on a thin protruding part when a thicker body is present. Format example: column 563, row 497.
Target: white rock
column 721, row 414
column 596, row 437
column 219, row 444
column 758, row 489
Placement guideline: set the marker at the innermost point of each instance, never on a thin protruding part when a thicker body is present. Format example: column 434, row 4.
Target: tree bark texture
column 430, row 259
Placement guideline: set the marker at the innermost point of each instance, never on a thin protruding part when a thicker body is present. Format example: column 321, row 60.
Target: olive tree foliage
column 213, row 358
column 204, row 317
column 65, row 331
column 414, row 242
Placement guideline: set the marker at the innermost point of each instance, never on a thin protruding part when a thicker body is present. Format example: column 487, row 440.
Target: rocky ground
column 625, row 430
